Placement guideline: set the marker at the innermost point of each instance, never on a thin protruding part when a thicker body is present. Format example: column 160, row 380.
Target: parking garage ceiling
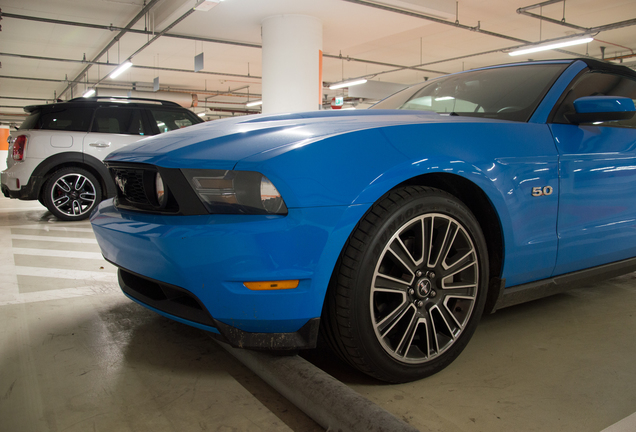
column 58, row 48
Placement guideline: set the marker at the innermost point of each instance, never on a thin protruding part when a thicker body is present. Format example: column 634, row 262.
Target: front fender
column 504, row 159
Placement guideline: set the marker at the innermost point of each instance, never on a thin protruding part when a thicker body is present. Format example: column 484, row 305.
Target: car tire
column 72, row 193
column 409, row 287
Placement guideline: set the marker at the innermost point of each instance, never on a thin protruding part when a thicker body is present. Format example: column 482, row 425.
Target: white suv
column 56, row 155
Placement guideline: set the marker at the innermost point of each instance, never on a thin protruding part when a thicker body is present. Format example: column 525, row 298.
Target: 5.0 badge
column 541, row 191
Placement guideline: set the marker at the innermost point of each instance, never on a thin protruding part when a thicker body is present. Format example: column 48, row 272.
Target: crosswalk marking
column 57, row 239
column 85, row 228
column 51, row 260
column 65, row 274
column 57, row 253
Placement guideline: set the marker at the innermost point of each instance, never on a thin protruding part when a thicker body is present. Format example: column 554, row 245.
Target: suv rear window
column 65, row 119
column 168, row 120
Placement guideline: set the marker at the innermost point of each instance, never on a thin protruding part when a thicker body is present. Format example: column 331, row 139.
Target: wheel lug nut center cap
column 423, row 288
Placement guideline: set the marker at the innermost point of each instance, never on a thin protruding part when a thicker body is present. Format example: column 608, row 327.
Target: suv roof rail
column 122, row 98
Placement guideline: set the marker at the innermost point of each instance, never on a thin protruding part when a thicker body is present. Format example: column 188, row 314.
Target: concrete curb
column 326, row 400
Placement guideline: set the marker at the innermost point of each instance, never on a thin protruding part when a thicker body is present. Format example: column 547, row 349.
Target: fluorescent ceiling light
column 552, row 46
column 254, row 103
column 347, row 84
column 202, row 114
column 88, row 93
column 120, row 69
column 444, row 98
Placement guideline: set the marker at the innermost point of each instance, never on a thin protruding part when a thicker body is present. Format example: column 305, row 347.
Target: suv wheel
column 72, row 193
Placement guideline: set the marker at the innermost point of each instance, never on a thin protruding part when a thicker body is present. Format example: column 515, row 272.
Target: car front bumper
column 208, row 258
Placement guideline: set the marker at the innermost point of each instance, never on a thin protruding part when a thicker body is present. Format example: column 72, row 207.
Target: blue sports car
column 388, row 231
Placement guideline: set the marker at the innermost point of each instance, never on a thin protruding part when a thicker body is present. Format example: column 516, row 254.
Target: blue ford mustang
column 389, row 231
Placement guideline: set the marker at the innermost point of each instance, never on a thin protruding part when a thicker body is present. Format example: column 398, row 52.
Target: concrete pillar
column 291, row 57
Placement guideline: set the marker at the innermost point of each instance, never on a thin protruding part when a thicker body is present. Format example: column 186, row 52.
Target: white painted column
column 291, row 54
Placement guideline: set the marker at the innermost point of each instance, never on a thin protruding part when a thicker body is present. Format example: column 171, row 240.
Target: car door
column 58, row 130
column 112, row 129
column 597, row 162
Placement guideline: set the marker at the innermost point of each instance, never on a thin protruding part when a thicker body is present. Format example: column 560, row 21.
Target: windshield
column 506, row 93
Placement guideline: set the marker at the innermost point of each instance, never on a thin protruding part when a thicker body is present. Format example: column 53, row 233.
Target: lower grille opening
column 167, row 298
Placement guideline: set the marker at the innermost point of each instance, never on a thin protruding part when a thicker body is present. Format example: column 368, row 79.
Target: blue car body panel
column 504, row 171
column 597, row 213
column 331, row 167
column 184, row 251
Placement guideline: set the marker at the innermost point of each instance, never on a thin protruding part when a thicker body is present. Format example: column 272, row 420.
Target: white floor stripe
column 628, row 424
column 66, row 274
column 57, row 253
column 55, row 227
column 16, row 209
column 53, row 239
column 56, row 295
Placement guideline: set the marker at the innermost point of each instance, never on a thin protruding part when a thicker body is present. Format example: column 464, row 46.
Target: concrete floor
column 76, row 355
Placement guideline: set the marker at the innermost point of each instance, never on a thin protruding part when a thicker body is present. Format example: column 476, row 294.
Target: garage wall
column 4, row 146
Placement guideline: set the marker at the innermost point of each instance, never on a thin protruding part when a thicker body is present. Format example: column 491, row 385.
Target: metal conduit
column 198, row 39
column 525, row 11
column 157, row 36
column 56, row 59
column 340, row 57
column 455, row 24
column 135, row 31
column 125, row 85
column 137, row 17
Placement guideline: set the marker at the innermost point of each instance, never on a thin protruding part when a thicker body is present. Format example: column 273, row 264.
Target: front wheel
column 72, row 193
column 410, row 286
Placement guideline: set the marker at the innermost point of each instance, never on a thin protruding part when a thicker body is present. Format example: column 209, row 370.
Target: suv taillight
column 18, row 147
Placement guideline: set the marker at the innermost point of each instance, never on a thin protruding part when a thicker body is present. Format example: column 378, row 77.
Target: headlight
column 236, row 192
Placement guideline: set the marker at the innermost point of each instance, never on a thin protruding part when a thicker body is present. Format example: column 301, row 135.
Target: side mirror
column 591, row 109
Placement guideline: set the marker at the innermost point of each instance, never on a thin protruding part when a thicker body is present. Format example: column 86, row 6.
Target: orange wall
column 4, row 134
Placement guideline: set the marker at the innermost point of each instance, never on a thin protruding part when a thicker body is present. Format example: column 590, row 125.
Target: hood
column 222, row 143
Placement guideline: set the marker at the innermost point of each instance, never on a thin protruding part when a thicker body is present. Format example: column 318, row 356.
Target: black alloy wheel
column 72, row 193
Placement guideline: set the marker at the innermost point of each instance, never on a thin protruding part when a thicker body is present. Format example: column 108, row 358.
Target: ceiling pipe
column 98, row 63
column 137, row 17
column 135, row 31
column 455, row 24
column 156, row 36
column 129, row 85
column 613, row 26
column 361, row 2
column 417, row 68
column 478, row 29
column 199, row 39
column 25, row 98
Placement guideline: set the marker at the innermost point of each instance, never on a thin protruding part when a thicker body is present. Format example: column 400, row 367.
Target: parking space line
column 628, row 424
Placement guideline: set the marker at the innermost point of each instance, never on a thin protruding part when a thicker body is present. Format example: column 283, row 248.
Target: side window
column 598, row 84
column 66, row 119
column 168, row 120
column 118, row 121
